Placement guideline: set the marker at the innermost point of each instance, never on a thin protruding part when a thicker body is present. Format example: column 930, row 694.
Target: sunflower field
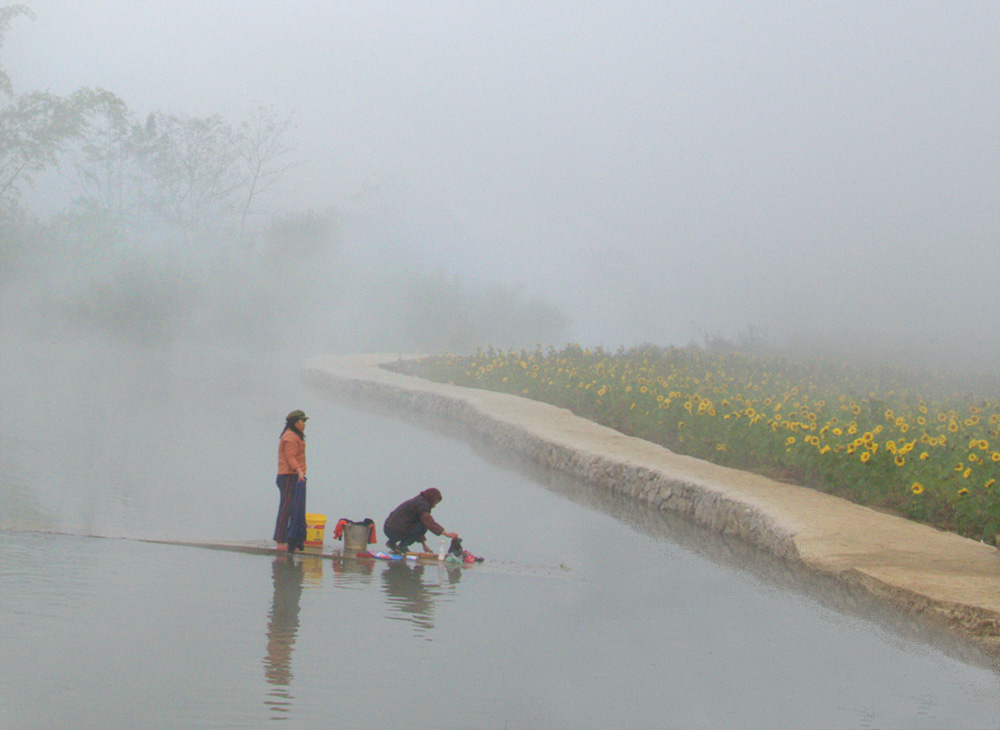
column 866, row 434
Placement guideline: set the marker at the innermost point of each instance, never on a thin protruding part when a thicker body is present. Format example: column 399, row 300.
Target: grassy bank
column 877, row 436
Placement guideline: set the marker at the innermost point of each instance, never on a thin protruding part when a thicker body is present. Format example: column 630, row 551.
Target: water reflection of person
column 282, row 628
column 407, row 592
column 404, row 587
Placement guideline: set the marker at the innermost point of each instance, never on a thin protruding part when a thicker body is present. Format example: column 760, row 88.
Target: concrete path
column 952, row 579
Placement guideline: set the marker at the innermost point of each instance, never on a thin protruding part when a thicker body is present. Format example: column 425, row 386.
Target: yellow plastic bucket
column 315, row 526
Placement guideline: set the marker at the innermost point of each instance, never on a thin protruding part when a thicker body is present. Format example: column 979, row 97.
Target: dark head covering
column 432, row 495
column 292, row 420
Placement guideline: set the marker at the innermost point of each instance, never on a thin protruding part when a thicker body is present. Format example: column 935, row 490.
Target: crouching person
column 411, row 520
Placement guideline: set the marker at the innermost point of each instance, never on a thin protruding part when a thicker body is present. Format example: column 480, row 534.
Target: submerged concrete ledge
column 937, row 574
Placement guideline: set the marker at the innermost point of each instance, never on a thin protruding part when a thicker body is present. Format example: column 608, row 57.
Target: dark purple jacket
column 409, row 513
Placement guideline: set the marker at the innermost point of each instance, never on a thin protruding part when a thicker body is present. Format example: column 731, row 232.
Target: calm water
column 589, row 612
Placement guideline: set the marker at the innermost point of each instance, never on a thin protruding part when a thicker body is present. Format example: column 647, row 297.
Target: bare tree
column 261, row 146
column 191, row 174
column 195, row 164
column 111, row 159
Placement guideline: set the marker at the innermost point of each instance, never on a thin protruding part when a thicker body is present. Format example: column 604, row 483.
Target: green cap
column 297, row 416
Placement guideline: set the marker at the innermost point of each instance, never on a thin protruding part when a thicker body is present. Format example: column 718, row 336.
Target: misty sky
column 655, row 169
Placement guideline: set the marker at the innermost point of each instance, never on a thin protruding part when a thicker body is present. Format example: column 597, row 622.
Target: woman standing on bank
column 290, row 528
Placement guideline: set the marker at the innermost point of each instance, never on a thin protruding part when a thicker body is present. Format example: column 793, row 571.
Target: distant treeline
column 167, row 225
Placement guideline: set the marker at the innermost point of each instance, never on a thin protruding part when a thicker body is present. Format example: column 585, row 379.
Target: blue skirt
column 290, row 527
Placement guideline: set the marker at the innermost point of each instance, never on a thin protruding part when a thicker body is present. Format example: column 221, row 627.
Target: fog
column 827, row 173
column 823, row 175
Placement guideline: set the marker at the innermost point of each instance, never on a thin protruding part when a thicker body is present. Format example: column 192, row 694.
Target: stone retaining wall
column 695, row 500
column 935, row 575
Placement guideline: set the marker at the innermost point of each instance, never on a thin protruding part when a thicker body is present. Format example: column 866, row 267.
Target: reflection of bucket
column 315, row 525
column 312, row 570
column 356, row 537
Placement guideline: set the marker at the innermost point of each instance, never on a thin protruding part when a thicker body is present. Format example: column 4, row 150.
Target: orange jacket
column 291, row 453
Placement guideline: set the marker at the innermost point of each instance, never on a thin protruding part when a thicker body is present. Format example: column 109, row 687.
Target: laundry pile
column 457, row 554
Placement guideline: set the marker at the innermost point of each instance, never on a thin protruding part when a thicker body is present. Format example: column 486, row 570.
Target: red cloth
column 338, row 531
